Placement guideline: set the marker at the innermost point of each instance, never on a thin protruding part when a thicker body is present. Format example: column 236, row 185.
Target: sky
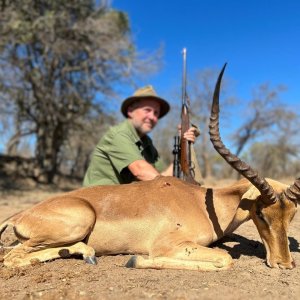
column 260, row 41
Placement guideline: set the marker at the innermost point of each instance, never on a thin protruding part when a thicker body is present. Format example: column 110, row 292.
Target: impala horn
column 293, row 192
column 267, row 192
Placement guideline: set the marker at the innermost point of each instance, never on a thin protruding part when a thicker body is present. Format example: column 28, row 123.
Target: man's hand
column 191, row 134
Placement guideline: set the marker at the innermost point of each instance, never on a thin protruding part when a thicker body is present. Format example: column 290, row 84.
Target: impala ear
column 252, row 193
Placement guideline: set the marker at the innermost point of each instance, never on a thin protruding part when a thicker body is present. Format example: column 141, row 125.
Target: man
column 126, row 153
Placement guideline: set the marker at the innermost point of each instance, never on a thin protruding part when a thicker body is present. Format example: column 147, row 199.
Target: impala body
column 171, row 221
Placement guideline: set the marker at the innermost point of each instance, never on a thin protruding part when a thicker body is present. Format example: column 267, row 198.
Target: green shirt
column 117, row 149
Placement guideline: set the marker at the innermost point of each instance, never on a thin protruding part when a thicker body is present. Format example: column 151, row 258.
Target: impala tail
column 3, row 226
column 8, row 222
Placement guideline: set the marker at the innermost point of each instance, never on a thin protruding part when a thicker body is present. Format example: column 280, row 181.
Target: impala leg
column 24, row 255
column 57, row 231
column 187, row 255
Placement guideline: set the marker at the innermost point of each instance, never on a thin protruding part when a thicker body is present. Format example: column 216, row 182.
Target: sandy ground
column 249, row 278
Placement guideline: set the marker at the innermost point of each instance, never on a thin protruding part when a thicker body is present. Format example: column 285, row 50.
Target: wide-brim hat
column 142, row 93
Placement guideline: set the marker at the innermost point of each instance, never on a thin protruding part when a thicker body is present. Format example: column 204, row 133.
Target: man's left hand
column 191, row 134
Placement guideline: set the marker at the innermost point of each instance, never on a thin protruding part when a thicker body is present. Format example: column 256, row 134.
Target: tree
column 263, row 112
column 57, row 59
column 277, row 156
column 75, row 154
column 264, row 117
column 272, row 159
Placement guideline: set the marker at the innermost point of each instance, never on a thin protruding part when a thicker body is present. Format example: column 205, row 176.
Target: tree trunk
column 49, row 143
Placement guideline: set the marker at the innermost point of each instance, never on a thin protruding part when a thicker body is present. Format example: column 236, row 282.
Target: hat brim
column 164, row 105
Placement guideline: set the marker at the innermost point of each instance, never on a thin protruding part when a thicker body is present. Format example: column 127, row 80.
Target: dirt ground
column 249, row 278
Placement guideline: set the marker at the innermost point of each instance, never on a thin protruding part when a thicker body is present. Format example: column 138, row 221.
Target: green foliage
column 58, row 59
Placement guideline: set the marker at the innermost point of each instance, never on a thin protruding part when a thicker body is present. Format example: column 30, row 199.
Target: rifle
column 186, row 168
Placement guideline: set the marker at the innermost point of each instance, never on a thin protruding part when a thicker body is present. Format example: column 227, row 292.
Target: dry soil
column 249, row 278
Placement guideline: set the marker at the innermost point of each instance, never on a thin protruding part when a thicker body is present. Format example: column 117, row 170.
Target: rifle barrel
column 184, row 95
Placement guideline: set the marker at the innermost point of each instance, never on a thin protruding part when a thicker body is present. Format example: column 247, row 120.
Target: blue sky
column 258, row 39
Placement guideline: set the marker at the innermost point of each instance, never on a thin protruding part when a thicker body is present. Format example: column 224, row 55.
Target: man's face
column 144, row 115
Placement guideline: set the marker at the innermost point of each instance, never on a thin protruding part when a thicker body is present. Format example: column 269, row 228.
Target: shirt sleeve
column 122, row 151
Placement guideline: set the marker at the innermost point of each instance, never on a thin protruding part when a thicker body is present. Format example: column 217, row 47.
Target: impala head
column 275, row 204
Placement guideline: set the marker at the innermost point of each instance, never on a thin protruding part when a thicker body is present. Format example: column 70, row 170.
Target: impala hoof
column 64, row 253
column 91, row 260
column 131, row 262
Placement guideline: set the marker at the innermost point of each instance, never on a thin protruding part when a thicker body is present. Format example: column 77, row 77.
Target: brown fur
column 169, row 220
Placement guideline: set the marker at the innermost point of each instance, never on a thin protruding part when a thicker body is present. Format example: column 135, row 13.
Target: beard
column 143, row 127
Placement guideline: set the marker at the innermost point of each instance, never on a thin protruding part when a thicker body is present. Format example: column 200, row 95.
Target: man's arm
column 142, row 170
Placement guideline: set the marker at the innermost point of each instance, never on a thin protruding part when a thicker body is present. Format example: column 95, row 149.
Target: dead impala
column 171, row 221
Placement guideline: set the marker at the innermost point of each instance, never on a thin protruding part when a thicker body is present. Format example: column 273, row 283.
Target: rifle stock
column 185, row 150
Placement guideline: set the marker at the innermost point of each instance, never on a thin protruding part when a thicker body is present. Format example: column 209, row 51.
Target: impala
column 165, row 222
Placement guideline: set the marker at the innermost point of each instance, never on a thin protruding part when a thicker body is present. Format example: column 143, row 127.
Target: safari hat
column 145, row 92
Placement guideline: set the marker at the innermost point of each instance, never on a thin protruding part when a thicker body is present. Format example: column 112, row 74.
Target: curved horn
column 293, row 192
column 244, row 169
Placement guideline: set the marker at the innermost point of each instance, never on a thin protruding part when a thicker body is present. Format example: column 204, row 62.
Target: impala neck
column 226, row 208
